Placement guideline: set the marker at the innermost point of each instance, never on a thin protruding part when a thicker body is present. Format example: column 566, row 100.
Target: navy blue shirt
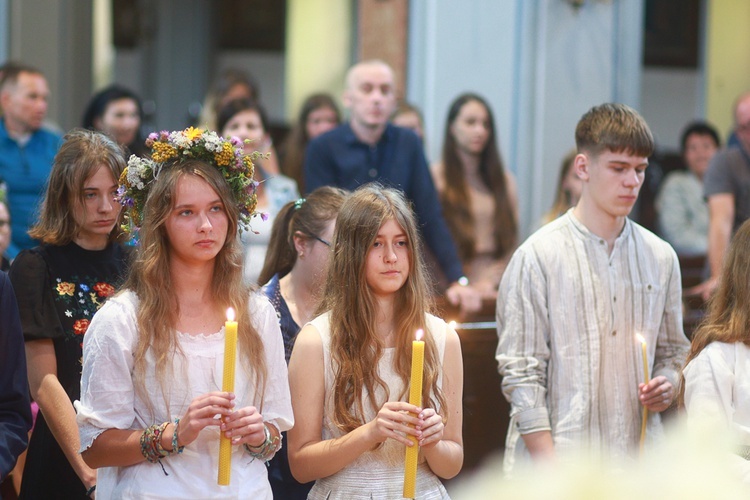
column 338, row 158
column 15, row 408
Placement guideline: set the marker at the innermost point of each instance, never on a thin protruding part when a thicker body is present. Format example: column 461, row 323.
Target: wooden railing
column 485, row 410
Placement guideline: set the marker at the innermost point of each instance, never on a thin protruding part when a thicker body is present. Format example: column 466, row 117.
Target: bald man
column 727, row 188
column 367, row 148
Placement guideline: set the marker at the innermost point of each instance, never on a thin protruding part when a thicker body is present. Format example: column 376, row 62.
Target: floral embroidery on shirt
column 104, row 289
column 81, row 302
column 80, row 326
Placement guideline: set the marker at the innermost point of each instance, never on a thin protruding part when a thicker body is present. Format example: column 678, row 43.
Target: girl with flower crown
column 349, row 372
column 153, row 360
column 59, row 286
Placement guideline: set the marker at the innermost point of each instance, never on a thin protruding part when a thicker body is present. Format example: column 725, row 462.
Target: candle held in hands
column 415, row 398
column 227, row 385
column 644, row 420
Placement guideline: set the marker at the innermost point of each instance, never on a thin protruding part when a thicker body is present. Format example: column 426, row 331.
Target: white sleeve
column 709, row 385
column 107, row 393
column 277, row 402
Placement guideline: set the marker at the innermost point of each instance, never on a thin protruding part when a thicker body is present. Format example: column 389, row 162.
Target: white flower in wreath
column 179, row 139
column 213, row 142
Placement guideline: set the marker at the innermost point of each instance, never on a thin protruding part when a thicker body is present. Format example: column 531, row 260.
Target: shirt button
column 614, row 332
column 614, row 299
column 372, row 173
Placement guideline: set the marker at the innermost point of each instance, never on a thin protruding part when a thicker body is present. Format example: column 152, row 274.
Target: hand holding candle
column 230, row 356
column 415, row 398
column 642, row 340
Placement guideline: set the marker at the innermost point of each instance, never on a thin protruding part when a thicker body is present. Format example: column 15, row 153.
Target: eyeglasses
column 326, row 243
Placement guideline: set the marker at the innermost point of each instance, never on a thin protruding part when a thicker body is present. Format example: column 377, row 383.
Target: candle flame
column 640, row 338
column 420, row 334
column 230, row 314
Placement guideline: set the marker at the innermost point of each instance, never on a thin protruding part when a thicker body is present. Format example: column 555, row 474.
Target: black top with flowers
column 59, row 288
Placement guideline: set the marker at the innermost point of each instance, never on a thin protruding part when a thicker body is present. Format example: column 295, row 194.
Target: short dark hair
column 98, row 104
column 614, row 127
column 699, row 128
column 236, row 106
column 11, row 70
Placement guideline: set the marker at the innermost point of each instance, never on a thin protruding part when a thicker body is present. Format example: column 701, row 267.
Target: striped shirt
column 568, row 312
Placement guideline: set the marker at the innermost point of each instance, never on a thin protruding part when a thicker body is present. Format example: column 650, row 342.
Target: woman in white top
column 477, row 193
column 350, row 366
column 153, row 355
column 247, row 120
column 716, row 384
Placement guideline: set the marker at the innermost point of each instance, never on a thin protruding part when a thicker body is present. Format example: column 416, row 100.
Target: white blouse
column 109, row 401
column 717, row 393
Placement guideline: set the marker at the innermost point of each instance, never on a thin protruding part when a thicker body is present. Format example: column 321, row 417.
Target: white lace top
column 109, row 401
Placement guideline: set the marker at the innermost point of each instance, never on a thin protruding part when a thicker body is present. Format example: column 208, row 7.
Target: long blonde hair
column 150, row 278
column 728, row 316
column 355, row 345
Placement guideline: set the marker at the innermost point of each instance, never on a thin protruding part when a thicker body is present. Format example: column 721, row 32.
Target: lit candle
column 415, row 398
column 645, row 381
column 227, row 385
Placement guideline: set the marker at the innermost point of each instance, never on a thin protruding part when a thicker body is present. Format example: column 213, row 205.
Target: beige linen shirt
column 567, row 314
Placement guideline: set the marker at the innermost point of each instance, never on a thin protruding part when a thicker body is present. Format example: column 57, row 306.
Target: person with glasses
column 295, row 269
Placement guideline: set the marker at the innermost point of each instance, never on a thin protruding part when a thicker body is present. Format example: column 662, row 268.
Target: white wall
column 268, row 68
column 541, row 64
column 671, row 98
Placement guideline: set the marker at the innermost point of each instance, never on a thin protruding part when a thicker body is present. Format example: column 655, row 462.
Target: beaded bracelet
column 150, row 443
column 175, row 448
column 266, row 449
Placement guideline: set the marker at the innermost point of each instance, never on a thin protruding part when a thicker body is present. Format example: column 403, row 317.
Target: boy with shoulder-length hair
column 572, row 300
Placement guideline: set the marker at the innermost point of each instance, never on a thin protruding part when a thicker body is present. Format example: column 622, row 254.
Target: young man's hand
column 657, row 395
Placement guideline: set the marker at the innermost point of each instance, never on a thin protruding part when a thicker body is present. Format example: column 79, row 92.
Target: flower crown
column 226, row 155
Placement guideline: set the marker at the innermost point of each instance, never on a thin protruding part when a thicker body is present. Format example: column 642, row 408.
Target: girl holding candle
column 350, row 367
column 59, row 286
column 716, row 379
column 294, row 273
column 154, row 356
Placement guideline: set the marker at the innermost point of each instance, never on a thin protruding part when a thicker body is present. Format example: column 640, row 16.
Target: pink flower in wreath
column 104, row 289
column 66, row 288
column 80, row 326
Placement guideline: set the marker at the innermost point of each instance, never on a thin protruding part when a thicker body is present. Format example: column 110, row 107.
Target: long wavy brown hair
column 355, row 346
column 151, row 280
column 728, row 316
column 455, row 195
